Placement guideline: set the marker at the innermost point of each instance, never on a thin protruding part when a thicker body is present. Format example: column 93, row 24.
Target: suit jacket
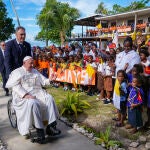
column 2, row 67
column 14, row 56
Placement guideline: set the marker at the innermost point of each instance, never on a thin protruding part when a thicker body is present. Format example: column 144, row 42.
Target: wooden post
column 82, row 31
column 135, row 22
column 100, row 43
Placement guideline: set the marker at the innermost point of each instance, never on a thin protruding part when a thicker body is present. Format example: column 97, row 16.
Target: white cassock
column 123, row 58
column 31, row 111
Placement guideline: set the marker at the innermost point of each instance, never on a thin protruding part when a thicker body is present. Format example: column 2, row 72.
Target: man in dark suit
column 16, row 50
column 2, row 66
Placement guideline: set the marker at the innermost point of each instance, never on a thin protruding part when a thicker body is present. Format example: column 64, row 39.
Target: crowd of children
column 128, row 90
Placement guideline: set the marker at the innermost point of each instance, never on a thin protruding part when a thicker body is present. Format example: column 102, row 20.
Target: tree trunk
column 46, row 42
column 62, row 38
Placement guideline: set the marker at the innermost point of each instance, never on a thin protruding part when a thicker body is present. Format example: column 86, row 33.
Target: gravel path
column 3, row 145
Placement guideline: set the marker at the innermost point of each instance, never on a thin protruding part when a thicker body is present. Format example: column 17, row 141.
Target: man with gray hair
column 32, row 103
column 16, row 50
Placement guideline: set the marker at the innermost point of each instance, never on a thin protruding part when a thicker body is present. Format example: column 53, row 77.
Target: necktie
column 21, row 47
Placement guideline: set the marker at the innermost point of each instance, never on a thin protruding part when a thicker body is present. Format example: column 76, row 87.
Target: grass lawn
column 97, row 116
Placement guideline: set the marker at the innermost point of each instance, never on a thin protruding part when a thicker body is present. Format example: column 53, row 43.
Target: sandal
column 128, row 126
column 116, row 119
column 133, row 131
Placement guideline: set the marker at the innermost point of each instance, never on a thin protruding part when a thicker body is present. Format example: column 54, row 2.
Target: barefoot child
column 134, row 104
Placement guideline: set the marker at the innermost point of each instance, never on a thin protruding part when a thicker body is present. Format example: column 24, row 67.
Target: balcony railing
column 108, row 32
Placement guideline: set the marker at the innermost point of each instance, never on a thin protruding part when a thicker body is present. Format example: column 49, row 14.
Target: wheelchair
column 13, row 121
column 12, row 114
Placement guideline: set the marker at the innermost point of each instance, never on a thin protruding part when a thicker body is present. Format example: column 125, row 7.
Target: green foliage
column 90, row 130
column 135, row 5
column 6, row 25
column 73, row 105
column 57, row 16
column 101, row 9
column 104, row 137
column 53, row 35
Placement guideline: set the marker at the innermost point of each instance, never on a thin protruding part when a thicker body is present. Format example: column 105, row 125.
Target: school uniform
column 100, row 76
column 108, row 84
column 135, row 114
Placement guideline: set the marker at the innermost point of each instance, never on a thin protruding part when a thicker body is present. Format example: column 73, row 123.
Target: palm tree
column 101, row 9
column 58, row 16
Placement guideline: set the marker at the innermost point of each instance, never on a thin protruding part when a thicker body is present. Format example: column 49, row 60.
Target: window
column 130, row 22
column 113, row 23
column 104, row 25
column 140, row 22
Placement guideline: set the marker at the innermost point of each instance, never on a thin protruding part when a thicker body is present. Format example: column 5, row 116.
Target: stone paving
column 68, row 140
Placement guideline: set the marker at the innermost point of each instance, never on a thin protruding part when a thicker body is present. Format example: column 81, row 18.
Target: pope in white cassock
column 32, row 104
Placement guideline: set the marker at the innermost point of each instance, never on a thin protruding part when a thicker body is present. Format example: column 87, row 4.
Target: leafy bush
column 104, row 137
column 73, row 105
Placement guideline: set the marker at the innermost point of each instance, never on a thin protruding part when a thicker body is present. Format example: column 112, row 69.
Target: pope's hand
column 28, row 96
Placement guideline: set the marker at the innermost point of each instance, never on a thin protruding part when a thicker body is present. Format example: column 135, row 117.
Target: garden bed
column 98, row 118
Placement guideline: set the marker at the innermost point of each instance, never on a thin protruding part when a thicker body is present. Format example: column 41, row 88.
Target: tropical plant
column 101, row 9
column 6, row 25
column 73, row 105
column 135, row 5
column 45, row 35
column 104, row 137
column 57, row 16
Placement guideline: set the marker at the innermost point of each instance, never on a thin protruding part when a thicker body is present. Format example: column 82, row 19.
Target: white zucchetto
column 26, row 58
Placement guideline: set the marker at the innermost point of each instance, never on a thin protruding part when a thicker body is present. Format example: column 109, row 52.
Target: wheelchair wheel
column 11, row 114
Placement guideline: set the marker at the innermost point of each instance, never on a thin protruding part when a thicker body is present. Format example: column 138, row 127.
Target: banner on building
column 127, row 29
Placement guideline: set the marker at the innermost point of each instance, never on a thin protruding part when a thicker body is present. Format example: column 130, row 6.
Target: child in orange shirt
column 44, row 67
column 39, row 63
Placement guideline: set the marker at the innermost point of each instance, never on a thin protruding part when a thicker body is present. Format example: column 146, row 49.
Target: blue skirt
column 44, row 72
column 135, row 117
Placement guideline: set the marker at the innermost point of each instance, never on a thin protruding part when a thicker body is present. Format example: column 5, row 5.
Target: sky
column 27, row 11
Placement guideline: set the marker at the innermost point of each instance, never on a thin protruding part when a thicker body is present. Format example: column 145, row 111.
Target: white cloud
column 87, row 7
column 18, row 8
column 32, row 25
column 36, row 2
column 25, row 19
